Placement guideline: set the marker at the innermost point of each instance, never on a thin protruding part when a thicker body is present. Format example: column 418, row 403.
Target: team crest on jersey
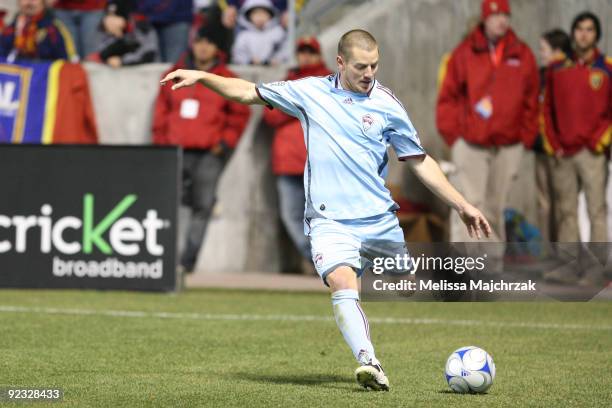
column 596, row 80
column 367, row 121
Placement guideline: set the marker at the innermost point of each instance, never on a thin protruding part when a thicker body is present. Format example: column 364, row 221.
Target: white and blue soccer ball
column 470, row 369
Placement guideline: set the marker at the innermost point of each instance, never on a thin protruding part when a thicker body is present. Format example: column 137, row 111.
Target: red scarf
column 497, row 53
column 25, row 34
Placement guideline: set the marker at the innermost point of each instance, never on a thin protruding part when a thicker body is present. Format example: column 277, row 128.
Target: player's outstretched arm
column 429, row 172
column 234, row 89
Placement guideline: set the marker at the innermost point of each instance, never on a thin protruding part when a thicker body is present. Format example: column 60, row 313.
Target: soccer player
column 349, row 119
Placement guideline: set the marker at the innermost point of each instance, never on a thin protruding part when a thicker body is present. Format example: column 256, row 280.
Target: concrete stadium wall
column 244, row 234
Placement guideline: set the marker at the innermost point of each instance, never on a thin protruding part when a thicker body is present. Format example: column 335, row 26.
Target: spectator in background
column 36, row 34
column 487, row 109
column 208, row 127
column 208, row 12
column 578, row 128
column 289, row 150
column 555, row 45
column 262, row 42
column 230, row 9
column 82, row 18
column 124, row 39
column 171, row 20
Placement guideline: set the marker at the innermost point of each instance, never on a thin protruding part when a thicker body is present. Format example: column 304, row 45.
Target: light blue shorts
column 336, row 243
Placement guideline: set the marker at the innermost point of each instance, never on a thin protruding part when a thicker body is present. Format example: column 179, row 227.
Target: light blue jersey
column 346, row 135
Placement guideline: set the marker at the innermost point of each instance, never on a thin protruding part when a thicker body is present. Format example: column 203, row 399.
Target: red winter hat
column 494, row 6
column 309, row 43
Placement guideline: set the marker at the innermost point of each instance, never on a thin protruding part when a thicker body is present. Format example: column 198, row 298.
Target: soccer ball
column 470, row 369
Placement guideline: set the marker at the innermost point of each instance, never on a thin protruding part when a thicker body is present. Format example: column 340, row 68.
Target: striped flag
column 45, row 103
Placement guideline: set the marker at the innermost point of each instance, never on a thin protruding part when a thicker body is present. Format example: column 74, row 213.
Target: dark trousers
column 291, row 200
column 201, row 173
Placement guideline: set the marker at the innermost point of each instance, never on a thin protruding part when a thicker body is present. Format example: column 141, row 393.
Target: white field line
column 294, row 318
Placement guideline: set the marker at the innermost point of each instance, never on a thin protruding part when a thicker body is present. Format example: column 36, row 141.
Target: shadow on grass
column 296, row 379
column 480, row 394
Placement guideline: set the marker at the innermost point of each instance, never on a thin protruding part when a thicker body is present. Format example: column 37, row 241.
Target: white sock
column 353, row 324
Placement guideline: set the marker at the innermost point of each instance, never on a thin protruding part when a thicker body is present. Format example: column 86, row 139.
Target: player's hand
column 182, row 78
column 475, row 222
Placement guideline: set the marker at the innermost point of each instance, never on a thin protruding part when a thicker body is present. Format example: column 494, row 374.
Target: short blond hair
column 356, row 38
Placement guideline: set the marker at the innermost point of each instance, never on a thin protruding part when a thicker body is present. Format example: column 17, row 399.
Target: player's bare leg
column 353, row 324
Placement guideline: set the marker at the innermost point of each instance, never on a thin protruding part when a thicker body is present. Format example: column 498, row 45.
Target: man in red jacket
column 487, row 110
column 577, row 126
column 289, row 150
column 208, row 127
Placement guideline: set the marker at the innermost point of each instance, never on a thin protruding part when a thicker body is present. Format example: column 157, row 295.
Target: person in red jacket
column 289, row 150
column 208, row 127
column 487, row 110
column 577, row 126
column 554, row 45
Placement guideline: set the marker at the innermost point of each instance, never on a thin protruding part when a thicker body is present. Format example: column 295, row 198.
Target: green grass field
column 248, row 348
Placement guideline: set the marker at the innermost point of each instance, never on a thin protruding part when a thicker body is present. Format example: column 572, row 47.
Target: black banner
column 100, row 217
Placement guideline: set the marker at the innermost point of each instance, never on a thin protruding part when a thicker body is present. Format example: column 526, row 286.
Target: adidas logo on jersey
column 348, row 101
